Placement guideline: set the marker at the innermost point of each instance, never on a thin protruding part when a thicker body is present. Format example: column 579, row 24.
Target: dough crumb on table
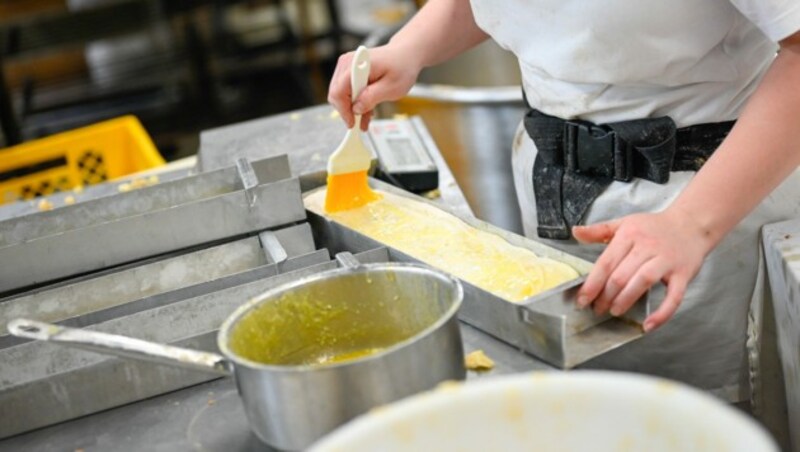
column 137, row 183
column 45, row 205
column 478, row 361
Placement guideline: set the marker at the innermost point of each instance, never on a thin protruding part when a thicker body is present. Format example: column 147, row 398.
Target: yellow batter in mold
column 445, row 242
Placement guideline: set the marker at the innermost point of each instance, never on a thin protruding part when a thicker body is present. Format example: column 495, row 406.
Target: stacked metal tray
column 125, row 227
column 166, row 263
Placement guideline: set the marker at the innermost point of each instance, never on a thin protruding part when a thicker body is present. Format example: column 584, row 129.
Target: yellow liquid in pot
column 348, row 356
column 447, row 243
column 337, row 321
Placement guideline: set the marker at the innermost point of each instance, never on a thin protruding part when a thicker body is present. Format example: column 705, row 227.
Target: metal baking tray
column 91, row 300
column 90, row 192
column 166, row 217
column 548, row 325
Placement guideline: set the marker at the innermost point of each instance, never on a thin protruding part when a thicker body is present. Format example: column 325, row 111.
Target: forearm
column 761, row 150
column 441, row 30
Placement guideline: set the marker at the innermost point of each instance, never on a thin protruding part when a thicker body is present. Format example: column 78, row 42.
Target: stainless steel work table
column 207, row 417
column 782, row 249
column 210, row 416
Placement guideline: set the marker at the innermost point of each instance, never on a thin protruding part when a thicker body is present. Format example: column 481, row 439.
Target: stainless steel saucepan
column 312, row 354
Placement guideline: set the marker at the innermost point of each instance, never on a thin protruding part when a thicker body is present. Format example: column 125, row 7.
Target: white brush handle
column 352, row 155
column 359, row 75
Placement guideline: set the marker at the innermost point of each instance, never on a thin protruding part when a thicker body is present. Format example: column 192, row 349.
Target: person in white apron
column 591, row 68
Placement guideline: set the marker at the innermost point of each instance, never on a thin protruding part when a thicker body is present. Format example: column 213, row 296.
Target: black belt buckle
column 590, row 150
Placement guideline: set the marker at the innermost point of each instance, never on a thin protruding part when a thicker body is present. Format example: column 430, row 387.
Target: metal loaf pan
column 126, row 227
column 548, row 325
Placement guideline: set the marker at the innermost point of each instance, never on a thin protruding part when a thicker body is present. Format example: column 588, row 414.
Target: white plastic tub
column 577, row 411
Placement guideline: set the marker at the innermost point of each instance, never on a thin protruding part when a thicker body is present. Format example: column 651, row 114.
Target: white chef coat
column 613, row 60
column 697, row 62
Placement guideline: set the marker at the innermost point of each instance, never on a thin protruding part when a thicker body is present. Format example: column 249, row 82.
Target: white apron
column 704, row 344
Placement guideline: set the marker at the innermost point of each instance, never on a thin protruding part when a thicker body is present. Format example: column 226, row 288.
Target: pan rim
column 231, row 321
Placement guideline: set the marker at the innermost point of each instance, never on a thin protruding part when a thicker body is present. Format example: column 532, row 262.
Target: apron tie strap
column 577, row 160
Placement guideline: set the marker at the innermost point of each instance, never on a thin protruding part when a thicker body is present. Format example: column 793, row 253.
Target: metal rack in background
column 146, row 57
column 179, row 65
column 37, row 108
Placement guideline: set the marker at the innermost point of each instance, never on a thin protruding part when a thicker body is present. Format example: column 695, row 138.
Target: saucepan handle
column 123, row 346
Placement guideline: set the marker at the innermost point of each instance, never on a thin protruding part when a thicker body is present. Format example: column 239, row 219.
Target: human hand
column 643, row 249
column 392, row 74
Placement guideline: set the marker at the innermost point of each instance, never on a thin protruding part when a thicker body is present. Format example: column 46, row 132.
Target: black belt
column 577, row 160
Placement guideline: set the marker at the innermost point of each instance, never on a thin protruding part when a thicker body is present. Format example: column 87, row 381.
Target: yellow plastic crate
column 89, row 155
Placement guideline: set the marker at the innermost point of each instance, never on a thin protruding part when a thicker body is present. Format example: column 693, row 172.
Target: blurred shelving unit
column 181, row 66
